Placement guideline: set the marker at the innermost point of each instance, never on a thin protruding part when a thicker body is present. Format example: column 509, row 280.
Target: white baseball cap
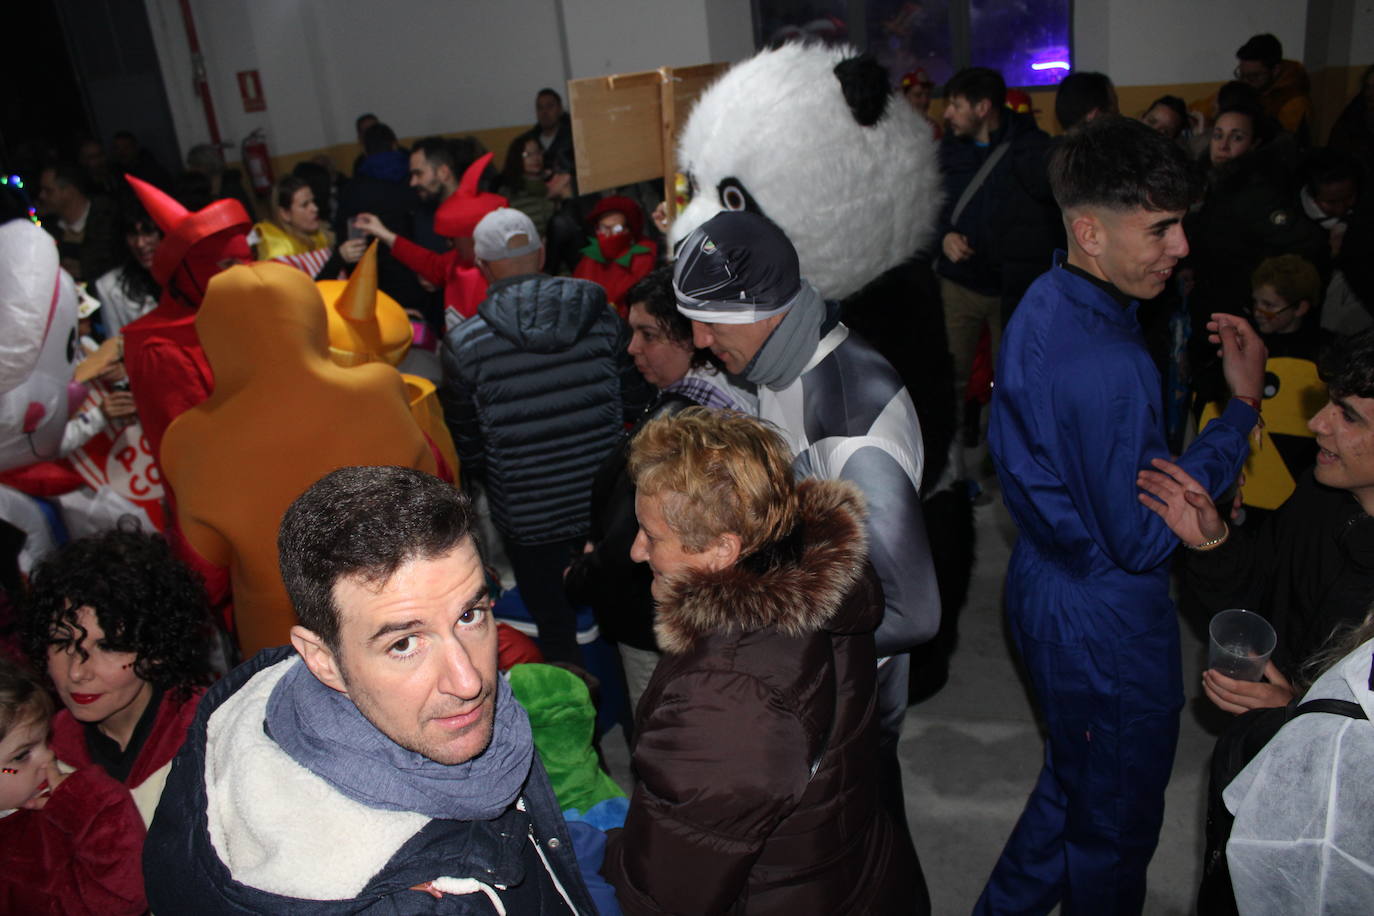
column 496, row 229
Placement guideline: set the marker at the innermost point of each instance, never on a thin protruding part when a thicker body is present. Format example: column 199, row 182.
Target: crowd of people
column 289, row 681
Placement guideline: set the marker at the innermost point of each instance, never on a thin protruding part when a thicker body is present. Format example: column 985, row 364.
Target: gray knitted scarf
column 784, row 354
column 324, row 732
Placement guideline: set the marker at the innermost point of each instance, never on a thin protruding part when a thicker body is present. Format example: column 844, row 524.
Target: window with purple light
column 1027, row 41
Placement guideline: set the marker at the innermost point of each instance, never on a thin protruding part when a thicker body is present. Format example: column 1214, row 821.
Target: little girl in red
column 70, row 842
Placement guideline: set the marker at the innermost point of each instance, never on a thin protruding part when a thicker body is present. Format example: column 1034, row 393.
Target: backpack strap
column 976, row 182
column 1334, row 707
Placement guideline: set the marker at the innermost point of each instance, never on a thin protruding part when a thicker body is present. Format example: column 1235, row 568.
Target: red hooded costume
column 617, row 261
column 168, row 372
column 457, row 217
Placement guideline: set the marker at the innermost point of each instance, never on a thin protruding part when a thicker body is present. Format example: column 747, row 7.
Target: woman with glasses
column 1285, row 291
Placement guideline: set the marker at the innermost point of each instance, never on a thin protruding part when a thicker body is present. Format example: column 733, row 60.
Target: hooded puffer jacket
column 536, row 387
column 756, row 740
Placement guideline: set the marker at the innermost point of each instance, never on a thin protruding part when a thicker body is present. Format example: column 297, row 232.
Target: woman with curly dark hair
column 123, row 631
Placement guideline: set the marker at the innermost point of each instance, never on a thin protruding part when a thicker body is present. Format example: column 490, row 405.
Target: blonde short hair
column 717, row 472
column 1293, row 278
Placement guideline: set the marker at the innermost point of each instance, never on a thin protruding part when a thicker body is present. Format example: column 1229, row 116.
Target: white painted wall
column 1361, row 33
column 1179, row 41
column 612, row 36
column 731, row 29
column 424, row 66
column 429, row 66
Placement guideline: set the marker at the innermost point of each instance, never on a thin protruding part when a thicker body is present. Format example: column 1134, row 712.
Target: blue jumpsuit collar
column 1116, row 306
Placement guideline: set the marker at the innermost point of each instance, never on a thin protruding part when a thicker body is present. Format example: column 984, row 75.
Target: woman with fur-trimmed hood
column 756, row 742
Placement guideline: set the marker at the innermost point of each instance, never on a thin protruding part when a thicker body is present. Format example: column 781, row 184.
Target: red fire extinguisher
column 258, row 162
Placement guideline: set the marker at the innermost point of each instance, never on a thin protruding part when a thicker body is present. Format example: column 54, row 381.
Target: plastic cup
column 1240, row 644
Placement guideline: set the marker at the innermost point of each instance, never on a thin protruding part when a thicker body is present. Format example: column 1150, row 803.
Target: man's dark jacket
column 184, row 873
column 101, row 247
column 379, row 187
column 1309, row 568
column 1012, row 222
column 606, row 578
column 537, row 386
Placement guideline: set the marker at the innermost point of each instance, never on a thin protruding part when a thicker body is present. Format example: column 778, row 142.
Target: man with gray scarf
column 840, row 405
column 379, row 763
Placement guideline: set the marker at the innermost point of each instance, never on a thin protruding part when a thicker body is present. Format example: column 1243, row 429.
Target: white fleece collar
column 277, row 826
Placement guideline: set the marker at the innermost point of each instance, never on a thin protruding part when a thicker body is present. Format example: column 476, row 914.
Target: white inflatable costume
column 38, row 354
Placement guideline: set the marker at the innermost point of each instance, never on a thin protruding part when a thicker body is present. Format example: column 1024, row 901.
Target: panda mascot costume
column 813, row 138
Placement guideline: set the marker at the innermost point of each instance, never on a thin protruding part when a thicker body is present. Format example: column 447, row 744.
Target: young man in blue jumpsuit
column 1075, row 416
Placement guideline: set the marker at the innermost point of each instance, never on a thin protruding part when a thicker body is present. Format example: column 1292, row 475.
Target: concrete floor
column 971, row 753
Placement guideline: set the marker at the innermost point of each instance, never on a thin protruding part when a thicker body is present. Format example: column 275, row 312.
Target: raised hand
column 369, row 223
column 1172, row 494
column 1242, row 354
column 352, row 250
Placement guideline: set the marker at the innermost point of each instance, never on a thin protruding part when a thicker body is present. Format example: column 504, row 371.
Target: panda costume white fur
column 813, row 138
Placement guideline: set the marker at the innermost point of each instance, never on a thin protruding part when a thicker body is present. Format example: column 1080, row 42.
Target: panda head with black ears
column 810, row 137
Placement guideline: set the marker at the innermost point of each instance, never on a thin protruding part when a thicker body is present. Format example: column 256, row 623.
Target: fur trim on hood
column 798, row 597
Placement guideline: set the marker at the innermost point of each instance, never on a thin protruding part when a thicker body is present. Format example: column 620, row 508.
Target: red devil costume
column 457, row 218
column 168, row 372
column 617, row 260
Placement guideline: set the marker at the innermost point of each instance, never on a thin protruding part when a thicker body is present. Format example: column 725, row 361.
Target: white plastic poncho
column 1303, row 840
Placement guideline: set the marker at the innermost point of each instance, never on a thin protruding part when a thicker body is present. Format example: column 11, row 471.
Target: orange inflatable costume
column 281, row 416
column 365, row 326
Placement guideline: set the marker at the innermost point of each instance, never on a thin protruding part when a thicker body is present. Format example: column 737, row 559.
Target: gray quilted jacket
column 537, row 386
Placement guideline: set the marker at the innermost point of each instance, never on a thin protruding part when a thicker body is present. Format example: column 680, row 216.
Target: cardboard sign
column 625, row 126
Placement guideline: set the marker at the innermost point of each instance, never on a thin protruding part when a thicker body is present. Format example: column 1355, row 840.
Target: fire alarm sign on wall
column 250, row 88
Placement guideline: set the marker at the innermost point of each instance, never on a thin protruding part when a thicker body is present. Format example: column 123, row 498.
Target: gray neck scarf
column 323, row 731
column 784, row 354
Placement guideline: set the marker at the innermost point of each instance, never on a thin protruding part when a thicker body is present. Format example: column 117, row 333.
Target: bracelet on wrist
column 1215, row 542
column 1256, row 434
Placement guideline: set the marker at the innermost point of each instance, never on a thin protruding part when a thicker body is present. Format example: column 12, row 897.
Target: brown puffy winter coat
column 756, row 740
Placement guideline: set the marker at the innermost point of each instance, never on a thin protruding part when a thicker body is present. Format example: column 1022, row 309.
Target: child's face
column 24, row 758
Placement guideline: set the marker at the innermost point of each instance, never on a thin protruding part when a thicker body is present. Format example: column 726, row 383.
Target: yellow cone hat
column 365, row 324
